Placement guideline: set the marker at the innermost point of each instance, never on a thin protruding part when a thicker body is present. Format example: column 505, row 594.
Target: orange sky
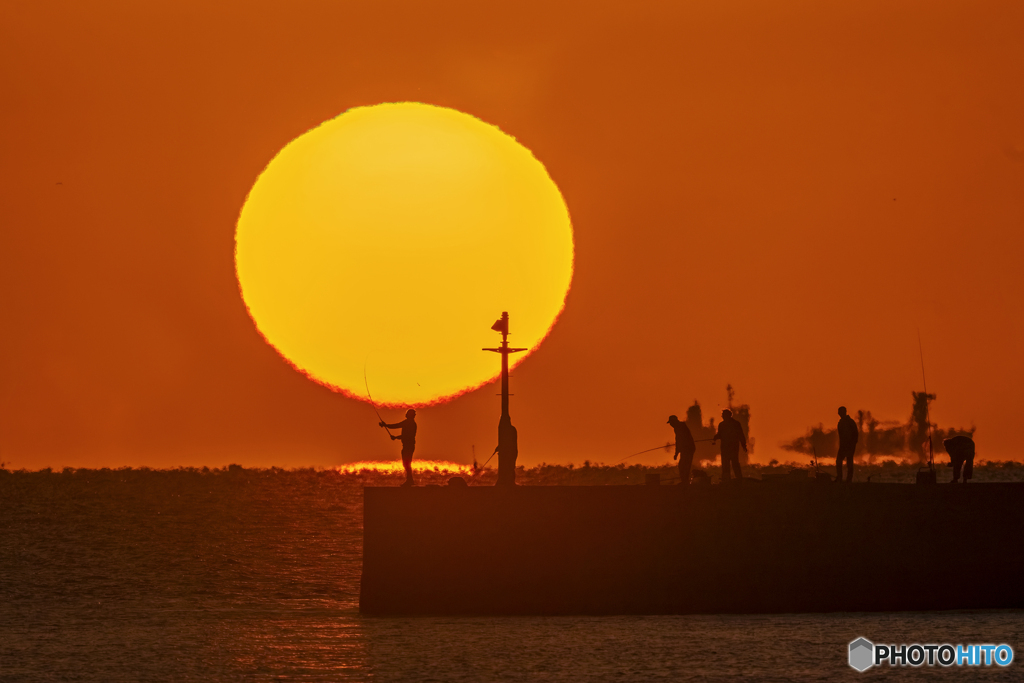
column 777, row 195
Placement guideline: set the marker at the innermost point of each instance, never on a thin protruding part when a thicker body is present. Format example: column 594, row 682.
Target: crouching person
column 961, row 455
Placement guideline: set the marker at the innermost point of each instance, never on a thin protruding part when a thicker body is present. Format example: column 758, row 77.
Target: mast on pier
column 508, row 437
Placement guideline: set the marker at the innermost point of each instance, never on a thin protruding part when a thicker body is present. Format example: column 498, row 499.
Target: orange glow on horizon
column 395, row 467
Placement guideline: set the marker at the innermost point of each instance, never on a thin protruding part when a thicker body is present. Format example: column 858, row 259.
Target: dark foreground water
column 254, row 576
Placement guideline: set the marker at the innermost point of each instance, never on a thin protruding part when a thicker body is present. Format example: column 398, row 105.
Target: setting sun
column 390, row 238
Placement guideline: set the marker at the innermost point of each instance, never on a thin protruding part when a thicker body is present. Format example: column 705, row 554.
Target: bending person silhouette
column 685, row 448
column 408, row 437
column 848, row 435
column 961, row 454
column 730, row 432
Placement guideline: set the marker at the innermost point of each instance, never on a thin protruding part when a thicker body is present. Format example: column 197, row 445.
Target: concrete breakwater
column 673, row 550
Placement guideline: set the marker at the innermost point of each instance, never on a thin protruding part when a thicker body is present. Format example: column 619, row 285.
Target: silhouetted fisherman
column 848, row 435
column 961, row 454
column 408, row 437
column 507, row 450
column 685, row 448
column 730, row 432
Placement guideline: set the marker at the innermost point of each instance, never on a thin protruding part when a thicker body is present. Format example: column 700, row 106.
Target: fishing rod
column 489, row 459
column 658, row 448
column 382, row 423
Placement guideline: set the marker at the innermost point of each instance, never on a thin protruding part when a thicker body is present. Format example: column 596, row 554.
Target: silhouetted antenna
column 502, row 326
column 921, row 350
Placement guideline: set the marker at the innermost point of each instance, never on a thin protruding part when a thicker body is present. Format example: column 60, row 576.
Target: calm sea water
column 254, row 576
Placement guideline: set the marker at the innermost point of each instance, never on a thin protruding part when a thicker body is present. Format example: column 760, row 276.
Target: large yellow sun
column 390, row 239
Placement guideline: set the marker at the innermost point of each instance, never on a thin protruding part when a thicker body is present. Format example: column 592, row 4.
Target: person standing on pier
column 507, row 450
column 685, row 448
column 408, row 437
column 961, row 454
column 848, row 435
column 730, row 432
